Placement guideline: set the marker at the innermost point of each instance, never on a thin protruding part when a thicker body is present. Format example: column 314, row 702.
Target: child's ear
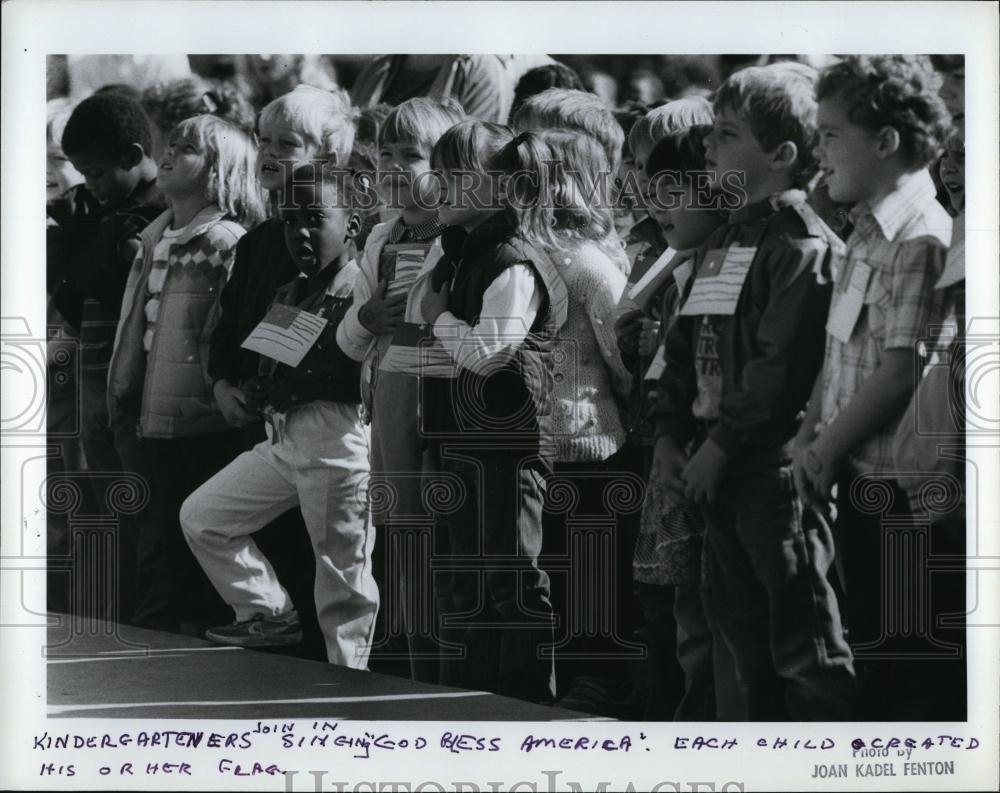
column 784, row 156
column 354, row 224
column 888, row 142
column 131, row 156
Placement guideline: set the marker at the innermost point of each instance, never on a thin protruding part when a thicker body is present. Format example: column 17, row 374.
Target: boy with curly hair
column 881, row 124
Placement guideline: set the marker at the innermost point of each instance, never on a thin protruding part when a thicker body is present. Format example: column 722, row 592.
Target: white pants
column 320, row 462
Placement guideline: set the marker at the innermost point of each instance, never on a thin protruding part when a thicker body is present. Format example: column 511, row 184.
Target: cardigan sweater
column 171, row 384
column 590, row 377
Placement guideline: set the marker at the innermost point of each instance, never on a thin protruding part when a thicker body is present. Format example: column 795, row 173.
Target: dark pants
column 500, row 614
column 171, row 588
column 769, row 595
column 905, row 622
column 591, row 537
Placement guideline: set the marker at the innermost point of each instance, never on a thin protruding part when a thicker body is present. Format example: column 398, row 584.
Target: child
column 305, row 125
column 881, row 123
column 168, row 427
column 497, row 310
column 668, row 553
column 91, row 240
column 392, row 260
column 316, row 454
column 739, row 362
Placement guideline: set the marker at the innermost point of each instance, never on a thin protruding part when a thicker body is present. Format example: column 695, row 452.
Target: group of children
column 419, row 328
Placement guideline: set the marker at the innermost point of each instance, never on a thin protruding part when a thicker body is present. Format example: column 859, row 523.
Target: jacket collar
column 460, row 244
column 767, row 206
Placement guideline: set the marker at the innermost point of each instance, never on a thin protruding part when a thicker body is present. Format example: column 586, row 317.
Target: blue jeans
column 500, row 614
column 769, row 596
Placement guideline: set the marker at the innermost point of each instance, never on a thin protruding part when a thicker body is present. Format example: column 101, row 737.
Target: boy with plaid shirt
column 881, row 124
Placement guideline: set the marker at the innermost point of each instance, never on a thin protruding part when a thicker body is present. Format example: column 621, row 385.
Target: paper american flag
column 285, row 334
column 718, row 282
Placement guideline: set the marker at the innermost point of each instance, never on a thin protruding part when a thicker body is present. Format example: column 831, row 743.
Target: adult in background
column 482, row 84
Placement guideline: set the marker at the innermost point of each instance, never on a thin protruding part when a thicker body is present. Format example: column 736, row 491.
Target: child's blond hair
column 231, row 159
column 324, row 117
column 578, row 110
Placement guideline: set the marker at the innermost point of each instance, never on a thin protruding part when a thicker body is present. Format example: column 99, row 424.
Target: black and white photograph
column 556, row 419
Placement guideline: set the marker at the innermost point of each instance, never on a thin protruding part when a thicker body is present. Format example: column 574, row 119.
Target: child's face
column 468, row 200
column 315, row 227
column 60, row 175
column 732, row 147
column 401, row 169
column 685, row 223
column 847, row 153
column 109, row 179
column 183, row 167
column 953, row 172
column 278, row 144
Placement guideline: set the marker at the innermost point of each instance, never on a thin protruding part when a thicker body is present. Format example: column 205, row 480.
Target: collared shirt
column 903, row 239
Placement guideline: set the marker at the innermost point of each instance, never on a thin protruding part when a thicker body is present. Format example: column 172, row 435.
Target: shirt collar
column 459, row 243
column 893, row 211
column 418, row 232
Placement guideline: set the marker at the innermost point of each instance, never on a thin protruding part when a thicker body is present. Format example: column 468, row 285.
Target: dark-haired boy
column 881, row 123
column 739, row 363
column 91, row 240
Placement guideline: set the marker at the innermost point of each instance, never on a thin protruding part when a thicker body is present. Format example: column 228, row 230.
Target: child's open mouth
column 270, row 169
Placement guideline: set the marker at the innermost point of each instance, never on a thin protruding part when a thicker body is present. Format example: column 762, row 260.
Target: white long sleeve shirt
column 510, row 305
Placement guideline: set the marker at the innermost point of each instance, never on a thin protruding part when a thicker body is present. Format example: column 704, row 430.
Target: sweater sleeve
column 353, row 337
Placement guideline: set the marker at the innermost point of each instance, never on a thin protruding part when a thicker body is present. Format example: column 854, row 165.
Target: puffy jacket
column 171, row 385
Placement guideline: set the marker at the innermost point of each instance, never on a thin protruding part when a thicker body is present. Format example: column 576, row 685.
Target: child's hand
column 434, row 304
column 820, row 469
column 668, row 462
column 648, row 336
column 627, row 329
column 233, row 404
column 256, row 394
column 380, row 314
column 704, row 473
column 803, row 486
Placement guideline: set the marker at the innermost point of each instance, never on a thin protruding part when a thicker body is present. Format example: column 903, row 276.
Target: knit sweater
column 587, row 420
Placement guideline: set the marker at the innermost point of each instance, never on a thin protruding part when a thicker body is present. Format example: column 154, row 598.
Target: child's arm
column 881, row 399
column 804, row 438
column 510, row 305
column 352, row 335
column 903, row 318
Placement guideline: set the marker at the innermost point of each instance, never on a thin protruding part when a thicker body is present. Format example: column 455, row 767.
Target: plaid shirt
column 903, row 239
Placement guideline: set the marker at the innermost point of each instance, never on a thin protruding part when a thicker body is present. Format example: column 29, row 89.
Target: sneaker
column 259, row 631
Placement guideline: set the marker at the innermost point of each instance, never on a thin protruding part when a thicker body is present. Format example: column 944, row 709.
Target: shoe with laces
column 259, row 631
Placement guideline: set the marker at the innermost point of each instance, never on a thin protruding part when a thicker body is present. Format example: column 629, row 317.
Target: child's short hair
column 579, row 110
column 898, row 91
column 231, row 157
column 779, row 103
column 666, row 120
column 325, row 117
column 566, row 196
column 106, row 123
column 470, row 145
column 420, row 120
column 551, row 75
column 680, row 152
column 169, row 103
